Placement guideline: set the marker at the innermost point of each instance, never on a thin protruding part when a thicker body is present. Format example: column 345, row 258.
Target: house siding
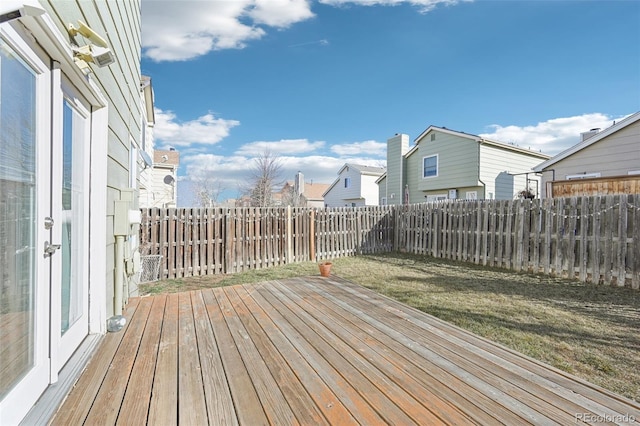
column 615, row 155
column 397, row 147
column 120, row 24
column 362, row 192
column 501, row 171
column 471, row 166
column 369, row 190
column 382, row 191
column 457, row 160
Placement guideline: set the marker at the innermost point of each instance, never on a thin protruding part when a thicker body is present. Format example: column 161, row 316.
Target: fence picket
column 588, row 238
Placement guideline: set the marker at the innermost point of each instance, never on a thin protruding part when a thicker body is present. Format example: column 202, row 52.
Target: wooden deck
column 316, row 351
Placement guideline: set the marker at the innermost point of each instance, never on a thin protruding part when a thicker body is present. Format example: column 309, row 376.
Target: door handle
column 50, row 249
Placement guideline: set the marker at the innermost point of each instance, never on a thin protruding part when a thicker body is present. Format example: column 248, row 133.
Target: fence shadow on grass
column 616, row 306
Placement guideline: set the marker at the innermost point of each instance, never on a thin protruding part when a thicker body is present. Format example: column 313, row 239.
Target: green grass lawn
column 590, row 331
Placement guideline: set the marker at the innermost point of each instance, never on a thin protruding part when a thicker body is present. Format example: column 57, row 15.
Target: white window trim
column 583, row 176
column 437, row 166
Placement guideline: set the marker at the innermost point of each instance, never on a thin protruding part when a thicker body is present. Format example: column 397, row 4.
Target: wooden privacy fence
column 195, row 242
column 594, row 239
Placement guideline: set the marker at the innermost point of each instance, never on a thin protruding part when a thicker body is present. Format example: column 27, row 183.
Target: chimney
column 397, row 147
column 586, row 135
column 298, row 185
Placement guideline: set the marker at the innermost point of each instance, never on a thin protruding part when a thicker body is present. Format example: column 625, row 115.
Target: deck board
column 216, row 390
column 163, row 407
column 313, row 350
column 135, row 404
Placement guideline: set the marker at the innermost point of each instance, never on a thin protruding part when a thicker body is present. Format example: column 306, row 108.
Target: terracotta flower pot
column 325, row 268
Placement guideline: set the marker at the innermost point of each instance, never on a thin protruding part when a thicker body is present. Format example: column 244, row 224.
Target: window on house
column 347, row 182
column 430, row 166
column 433, row 136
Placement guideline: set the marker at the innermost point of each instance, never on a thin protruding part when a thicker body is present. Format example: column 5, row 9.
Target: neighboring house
column 354, row 187
column 445, row 164
column 161, row 180
column 70, row 137
column 301, row 194
column 604, row 162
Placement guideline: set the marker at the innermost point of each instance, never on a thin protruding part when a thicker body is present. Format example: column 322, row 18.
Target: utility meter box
column 126, row 212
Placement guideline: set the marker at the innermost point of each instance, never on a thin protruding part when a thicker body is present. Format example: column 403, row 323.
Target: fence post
column 228, row 241
column 312, row 235
column 289, row 256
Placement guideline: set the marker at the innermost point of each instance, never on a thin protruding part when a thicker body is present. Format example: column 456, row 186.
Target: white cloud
column 183, row 30
column 372, row 148
column 204, row 130
column 186, row 29
column 280, row 13
column 232, row 173
column 284, row 146
column 551, row 136
column 423, row 5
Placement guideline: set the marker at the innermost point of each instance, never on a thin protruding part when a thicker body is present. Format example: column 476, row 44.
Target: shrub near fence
column 594, row 239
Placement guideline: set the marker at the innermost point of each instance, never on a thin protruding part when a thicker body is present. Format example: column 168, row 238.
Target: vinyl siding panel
column 457, row 162
column 500, row 170
column 382, row 190
column 339, row 196
column 369, row 190
column 119, row 23
column 614, row 155
column 396, row 166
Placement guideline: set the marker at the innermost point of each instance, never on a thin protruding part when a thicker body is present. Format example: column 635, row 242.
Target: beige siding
column 614, row 155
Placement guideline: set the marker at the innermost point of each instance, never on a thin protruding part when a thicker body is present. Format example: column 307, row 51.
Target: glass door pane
column 17, row 219
column 70, row 181
column 71, row 301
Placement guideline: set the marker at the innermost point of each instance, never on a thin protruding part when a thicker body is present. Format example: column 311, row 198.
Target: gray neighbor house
column 604, row 162
column 444, row 164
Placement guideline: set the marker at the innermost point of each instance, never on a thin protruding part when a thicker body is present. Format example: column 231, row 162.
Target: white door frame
column 18, row 402
column 52, row 47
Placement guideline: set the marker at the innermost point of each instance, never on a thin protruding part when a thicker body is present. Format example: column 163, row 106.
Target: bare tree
column 265, row 176
column 207, row 190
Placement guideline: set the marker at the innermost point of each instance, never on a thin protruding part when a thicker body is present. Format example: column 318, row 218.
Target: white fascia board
column 447, row 131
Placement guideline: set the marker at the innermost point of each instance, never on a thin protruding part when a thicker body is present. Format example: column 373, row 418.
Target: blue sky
column 322, row 83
